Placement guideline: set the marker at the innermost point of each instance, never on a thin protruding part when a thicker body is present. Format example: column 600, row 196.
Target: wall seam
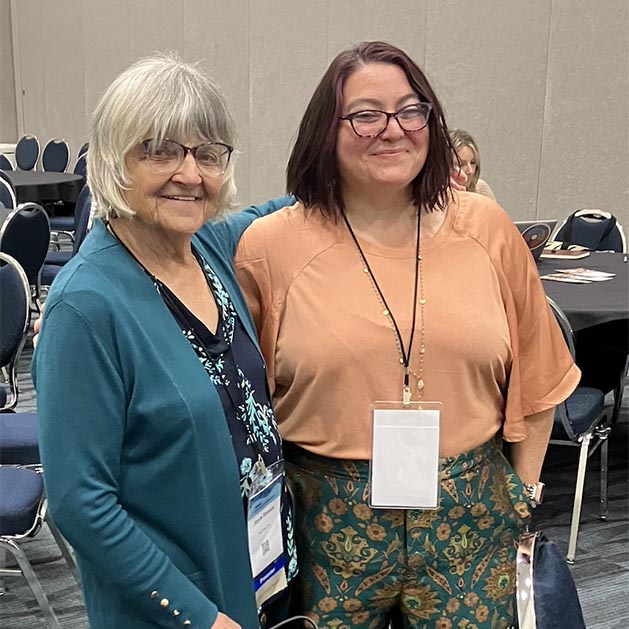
column 545, row 110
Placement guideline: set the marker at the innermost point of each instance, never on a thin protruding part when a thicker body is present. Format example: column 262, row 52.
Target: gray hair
column 461, row 139
column 160, row 97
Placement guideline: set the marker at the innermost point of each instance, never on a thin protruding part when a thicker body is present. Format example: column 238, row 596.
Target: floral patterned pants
column 453, row 567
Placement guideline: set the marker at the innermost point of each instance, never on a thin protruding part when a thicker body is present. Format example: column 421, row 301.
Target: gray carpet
column 601, row 570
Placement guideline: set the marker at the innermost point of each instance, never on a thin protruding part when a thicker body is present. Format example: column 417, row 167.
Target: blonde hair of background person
column 468, row 158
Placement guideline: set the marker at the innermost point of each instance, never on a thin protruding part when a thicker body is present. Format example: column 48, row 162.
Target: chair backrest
column 7, row 194
column 27, row 152
column 80, row 168
column 564, row 325
column 56, row 156
column 5, row 163
column 83, row 149
column 82, row 211
column 25, row 235
column 15, row 299
column 595, row 229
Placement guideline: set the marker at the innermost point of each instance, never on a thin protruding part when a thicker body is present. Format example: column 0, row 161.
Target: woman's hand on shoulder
column 224, row 622
column 458, row 179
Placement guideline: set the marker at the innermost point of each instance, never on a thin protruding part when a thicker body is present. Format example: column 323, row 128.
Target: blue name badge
column 266, row 544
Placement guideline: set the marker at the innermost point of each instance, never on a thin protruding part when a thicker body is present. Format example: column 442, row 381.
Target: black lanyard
column 405, row 355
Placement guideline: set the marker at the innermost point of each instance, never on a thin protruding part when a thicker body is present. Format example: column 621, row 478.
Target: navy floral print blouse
column 236, row 368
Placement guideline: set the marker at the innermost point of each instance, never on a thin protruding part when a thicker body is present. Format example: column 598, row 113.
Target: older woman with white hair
column 155, row 418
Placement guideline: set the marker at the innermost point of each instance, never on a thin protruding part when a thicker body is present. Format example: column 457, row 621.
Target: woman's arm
column 82, row 404
column 226, row 232
column 527, row 456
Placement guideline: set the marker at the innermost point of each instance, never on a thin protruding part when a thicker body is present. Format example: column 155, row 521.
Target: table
column 8, row 148
column 588, row 305
column 42, row 187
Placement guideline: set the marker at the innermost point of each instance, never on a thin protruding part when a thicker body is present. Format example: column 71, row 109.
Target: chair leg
column 578, row 499
column 604, row 508
column 63, row 547
column 33, row 583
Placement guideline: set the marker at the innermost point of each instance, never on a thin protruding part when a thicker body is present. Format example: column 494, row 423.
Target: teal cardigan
column 138, row 465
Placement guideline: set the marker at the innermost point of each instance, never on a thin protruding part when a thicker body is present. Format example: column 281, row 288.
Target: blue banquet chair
column 7, row 194
column 22, row 513
column 25, row 235
column 594, row 229
column 27, row 152
column 56, row 259
column 80, row 167
column 15, row 298
column 5, row 163
column 56, row 156
column 581, row 421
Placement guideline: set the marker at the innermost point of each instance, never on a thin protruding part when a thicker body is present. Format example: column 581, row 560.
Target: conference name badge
column 264, row 527
column 404, row 466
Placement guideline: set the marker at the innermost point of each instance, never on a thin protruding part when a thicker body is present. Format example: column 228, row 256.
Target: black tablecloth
column 43, row 187
column 588, row 305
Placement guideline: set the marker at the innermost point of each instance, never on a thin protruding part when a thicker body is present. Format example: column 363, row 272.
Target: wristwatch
column 535, row 493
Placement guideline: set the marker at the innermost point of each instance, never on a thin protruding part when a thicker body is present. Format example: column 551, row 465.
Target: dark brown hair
column 312, row 174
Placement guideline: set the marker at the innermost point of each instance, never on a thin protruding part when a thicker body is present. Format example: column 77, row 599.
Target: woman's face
column 395, row 157
column 468, row 164
column 178, row 202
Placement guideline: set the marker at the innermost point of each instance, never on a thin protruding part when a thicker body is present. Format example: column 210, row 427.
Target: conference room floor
column 601, row 570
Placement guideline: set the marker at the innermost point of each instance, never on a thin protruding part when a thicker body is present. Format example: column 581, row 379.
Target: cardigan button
column 154, row 594
column 176, row 612
column 164, row 602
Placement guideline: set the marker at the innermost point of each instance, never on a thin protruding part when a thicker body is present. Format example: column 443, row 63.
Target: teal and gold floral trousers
column 453, row 567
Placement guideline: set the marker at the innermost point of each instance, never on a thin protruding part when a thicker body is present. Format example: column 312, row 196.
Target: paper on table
column 562, row 277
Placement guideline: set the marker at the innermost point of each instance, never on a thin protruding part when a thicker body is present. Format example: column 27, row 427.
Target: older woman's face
column 178, row 202
column 395, row 157
column 468, row 163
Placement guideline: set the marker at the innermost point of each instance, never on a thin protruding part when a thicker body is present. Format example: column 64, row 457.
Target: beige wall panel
column 8, row 113
column 106, row 48
column 64, row 83
column 402, row 24
column 155, row 26
column 487, row 63
column 217, row 34
column 585, row 158
column 287, row 51
column 29, row 38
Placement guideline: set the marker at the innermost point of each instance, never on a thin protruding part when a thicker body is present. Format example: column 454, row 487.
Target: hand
column 224, row 622
column 37, row 326
column 458, row 179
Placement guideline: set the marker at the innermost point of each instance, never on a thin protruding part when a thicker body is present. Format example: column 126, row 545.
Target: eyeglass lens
column 211, row 157
column 373, row 122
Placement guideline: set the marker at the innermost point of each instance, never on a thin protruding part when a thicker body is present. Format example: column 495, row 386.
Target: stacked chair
column 581, row 421
column 22, row 497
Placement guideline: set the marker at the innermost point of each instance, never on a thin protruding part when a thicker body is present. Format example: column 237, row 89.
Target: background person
column 469, row 156
column 152, row 397
column 381, row 273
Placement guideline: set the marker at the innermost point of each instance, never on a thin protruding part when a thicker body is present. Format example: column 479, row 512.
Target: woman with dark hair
column 383, row 283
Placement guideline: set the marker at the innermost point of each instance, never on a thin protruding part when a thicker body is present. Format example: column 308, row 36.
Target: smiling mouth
column 180, row 197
